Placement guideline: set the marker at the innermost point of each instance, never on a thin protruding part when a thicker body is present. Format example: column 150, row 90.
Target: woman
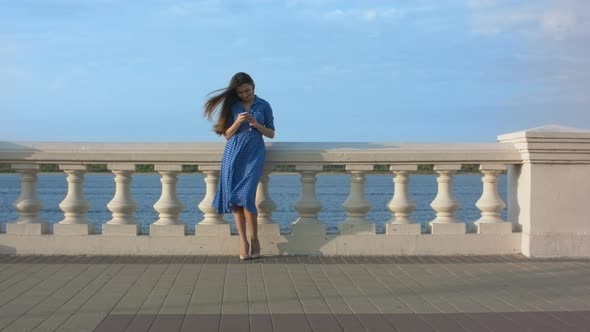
column 243, row 118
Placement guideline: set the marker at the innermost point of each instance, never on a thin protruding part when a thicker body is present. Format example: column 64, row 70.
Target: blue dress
column 243, row 160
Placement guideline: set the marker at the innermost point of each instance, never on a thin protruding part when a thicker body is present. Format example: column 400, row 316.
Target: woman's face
column 245, row 92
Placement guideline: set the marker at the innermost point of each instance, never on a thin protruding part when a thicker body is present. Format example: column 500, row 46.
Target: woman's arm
column 229, row 132
column 267, row 129
column 268, row 132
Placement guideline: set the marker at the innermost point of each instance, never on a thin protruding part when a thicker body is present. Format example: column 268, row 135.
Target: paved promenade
column 220, row 293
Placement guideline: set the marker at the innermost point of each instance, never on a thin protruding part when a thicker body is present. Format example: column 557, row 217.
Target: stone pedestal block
column 73, row 229
column 308, row 229
column 354, row 245
column 213, row 230
column 307, row 245
column 28, row 229
column 448, row 228
column 269, row 230
column 357, row 229
column 494, row 228
column 402, row 229
column 167, row 230
column 124, row 229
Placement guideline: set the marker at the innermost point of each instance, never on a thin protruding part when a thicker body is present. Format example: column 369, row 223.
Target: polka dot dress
column 243, row 161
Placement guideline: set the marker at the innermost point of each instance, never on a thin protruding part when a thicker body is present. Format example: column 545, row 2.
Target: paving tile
column 281, row 259
column 403, row 288
column 408, row 322
column 342, row 312
column 326, row 260
column 201, row 322
column 13, row 310
column 140, row 323
column 204, row 306
column 266, row 260
column 181, row 291
column 443, row 322
column 21, row 282
column 299, row 293
column 16, row 273
column 260, row 322
column 257, row 300
column 96, row 308
column 45, row 308
column 153, row 302
column 284, row 305
column 224, row 259
column 113, row 323
column 575, row 320
column 137, row 294
column 234, row 306
column 200, row 259
column 495, row 322
column 368, row 312
column 316, row 308
column 537, row 321
column 323, row 322
column 468, row 323
column 167, row 323
column 234, row 322
column 86, row 292
column 5, row 266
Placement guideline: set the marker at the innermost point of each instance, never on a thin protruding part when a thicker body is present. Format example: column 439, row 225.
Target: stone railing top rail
column 546, row 144
column 277, row 152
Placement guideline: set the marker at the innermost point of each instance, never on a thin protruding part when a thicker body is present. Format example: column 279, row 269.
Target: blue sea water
column 332, row 190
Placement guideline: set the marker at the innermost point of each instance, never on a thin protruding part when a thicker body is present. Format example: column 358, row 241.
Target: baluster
column 490, row 204
column 356, row 205
column 401, row 205
column 212, row 223
column 264, row 203
column 74, row 205
column 28, row 204
column 122, row 205
column 308, row 205
column 210, row 215
column 445, row 203
column 168, row 206
column 265, row 206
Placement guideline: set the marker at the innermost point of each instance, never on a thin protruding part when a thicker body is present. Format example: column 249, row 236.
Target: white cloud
column 559, row 23
column 556, row 21
column 372, row 14
column 492, row 24
column 556, row 49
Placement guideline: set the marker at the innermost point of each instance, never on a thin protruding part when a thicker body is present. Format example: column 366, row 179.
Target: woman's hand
column 242, row 117
column 229, row 132
column 252, row 121
column 270, row 133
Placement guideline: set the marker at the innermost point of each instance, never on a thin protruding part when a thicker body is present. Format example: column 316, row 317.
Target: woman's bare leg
column 240, row 218
column 252, row 219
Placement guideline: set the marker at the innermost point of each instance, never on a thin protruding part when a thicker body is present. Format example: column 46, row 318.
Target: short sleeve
column 269, row 120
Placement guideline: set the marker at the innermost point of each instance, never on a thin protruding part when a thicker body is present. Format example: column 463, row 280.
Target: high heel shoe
column 245, row 256
column 255, row 253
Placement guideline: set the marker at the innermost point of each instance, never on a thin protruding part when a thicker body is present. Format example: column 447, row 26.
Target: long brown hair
column 226, row 97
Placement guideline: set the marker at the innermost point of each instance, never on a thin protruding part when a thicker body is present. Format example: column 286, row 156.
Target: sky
column 333, row 71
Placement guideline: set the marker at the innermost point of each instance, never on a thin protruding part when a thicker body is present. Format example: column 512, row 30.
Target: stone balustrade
column 547, row 171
